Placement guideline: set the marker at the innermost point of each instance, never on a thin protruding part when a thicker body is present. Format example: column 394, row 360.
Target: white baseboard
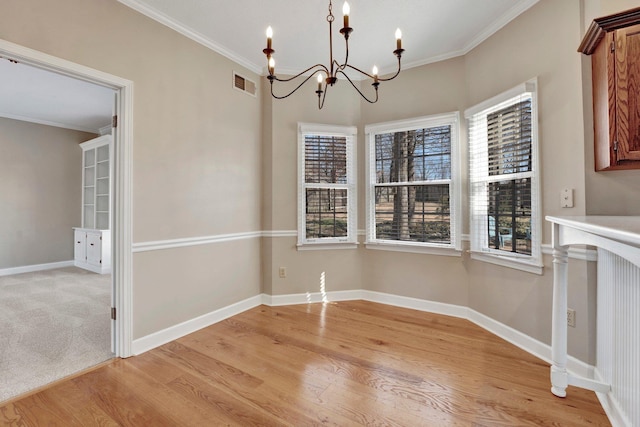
column 532, row 346
column 96, row 269
column 611, row 406
column 36, row 267
column 507, row 333
column 513, row 336
column 171, row 333
column 309, row 297
column 416, row 304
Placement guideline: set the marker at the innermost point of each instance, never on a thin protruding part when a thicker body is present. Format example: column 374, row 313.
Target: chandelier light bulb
column 399, row 39
column 345, row 11
column 272, row 65
column 374, row 71
column 269, row 36
column 320, row 78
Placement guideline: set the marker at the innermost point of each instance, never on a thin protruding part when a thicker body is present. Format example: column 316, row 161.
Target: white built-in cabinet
column 93, row 238
column 92, row 249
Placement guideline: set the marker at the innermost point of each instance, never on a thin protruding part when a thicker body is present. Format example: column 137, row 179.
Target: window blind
column 325, row 159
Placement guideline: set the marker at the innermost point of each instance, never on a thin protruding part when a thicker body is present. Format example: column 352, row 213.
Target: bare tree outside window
column 413, row 174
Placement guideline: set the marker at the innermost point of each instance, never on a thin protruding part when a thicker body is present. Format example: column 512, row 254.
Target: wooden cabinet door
column 627, row 93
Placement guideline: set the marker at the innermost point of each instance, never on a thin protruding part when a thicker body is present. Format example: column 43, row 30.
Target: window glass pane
column 325, row 159
column 326, row 212
column 509, row 210
column 415, row 155
column 417, row 213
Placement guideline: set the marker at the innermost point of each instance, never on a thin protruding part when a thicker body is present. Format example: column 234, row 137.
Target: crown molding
column 600, row 26
column 181, row 28
column 510, row 15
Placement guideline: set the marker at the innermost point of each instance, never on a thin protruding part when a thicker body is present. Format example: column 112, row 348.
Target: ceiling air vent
column 244, row 84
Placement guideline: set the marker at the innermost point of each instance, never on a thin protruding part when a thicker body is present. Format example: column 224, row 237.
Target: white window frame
column 480, row 249
column 351, row 240
column 454, row 248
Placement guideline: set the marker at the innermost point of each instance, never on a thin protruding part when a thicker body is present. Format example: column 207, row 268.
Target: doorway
column 122, row 160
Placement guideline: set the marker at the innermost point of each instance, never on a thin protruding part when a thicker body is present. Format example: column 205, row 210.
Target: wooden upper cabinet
column 614, row 45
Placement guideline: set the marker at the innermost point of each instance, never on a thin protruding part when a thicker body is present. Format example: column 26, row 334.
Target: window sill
column 508, row 262
column 399, row 247
column 326, row 246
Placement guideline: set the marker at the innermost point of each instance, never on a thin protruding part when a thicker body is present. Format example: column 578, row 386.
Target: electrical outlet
column 571, row 317
column 282, row 272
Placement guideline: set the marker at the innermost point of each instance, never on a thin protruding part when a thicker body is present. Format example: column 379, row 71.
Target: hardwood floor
column 346, row 363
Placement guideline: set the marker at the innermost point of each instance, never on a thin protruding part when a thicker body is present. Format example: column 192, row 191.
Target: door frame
column 122, row 213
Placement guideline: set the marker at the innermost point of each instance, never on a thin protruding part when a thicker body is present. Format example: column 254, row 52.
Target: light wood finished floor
column 346, row 363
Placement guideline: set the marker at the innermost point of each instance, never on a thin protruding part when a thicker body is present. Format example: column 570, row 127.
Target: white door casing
column 122, row 214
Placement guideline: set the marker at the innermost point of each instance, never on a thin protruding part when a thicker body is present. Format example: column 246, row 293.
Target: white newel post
column 559, row 375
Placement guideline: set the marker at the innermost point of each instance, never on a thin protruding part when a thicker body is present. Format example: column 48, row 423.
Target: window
column 326, row 186
column 503, row 160
column 413, row 188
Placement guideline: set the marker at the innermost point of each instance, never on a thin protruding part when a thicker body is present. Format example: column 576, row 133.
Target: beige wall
column 40, row 192
column 342, row 268
column 196, row 150
column 508, row 58
column 542, row 42
column 432, row 89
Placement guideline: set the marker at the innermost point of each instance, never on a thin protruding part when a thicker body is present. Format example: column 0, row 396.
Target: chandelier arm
column 373, row 77
column 358, row 90
column 323, row 67
column 395, row 75
column 360, row 71
column 290, row 93
column 346, row 55
column 344, row 65
column 339, row 67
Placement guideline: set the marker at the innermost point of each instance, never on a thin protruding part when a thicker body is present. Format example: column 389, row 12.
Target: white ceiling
column 432, row 30
column 35, row 95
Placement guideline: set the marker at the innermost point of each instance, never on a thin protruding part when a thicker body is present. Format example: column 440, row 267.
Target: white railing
column 617, row 370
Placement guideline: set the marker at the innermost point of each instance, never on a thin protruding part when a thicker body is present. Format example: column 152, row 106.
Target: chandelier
column 328, row 76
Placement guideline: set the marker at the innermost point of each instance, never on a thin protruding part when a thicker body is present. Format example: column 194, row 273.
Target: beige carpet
column 52, row 324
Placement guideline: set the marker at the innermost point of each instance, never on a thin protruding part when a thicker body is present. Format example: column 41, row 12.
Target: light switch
column 566, row 198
